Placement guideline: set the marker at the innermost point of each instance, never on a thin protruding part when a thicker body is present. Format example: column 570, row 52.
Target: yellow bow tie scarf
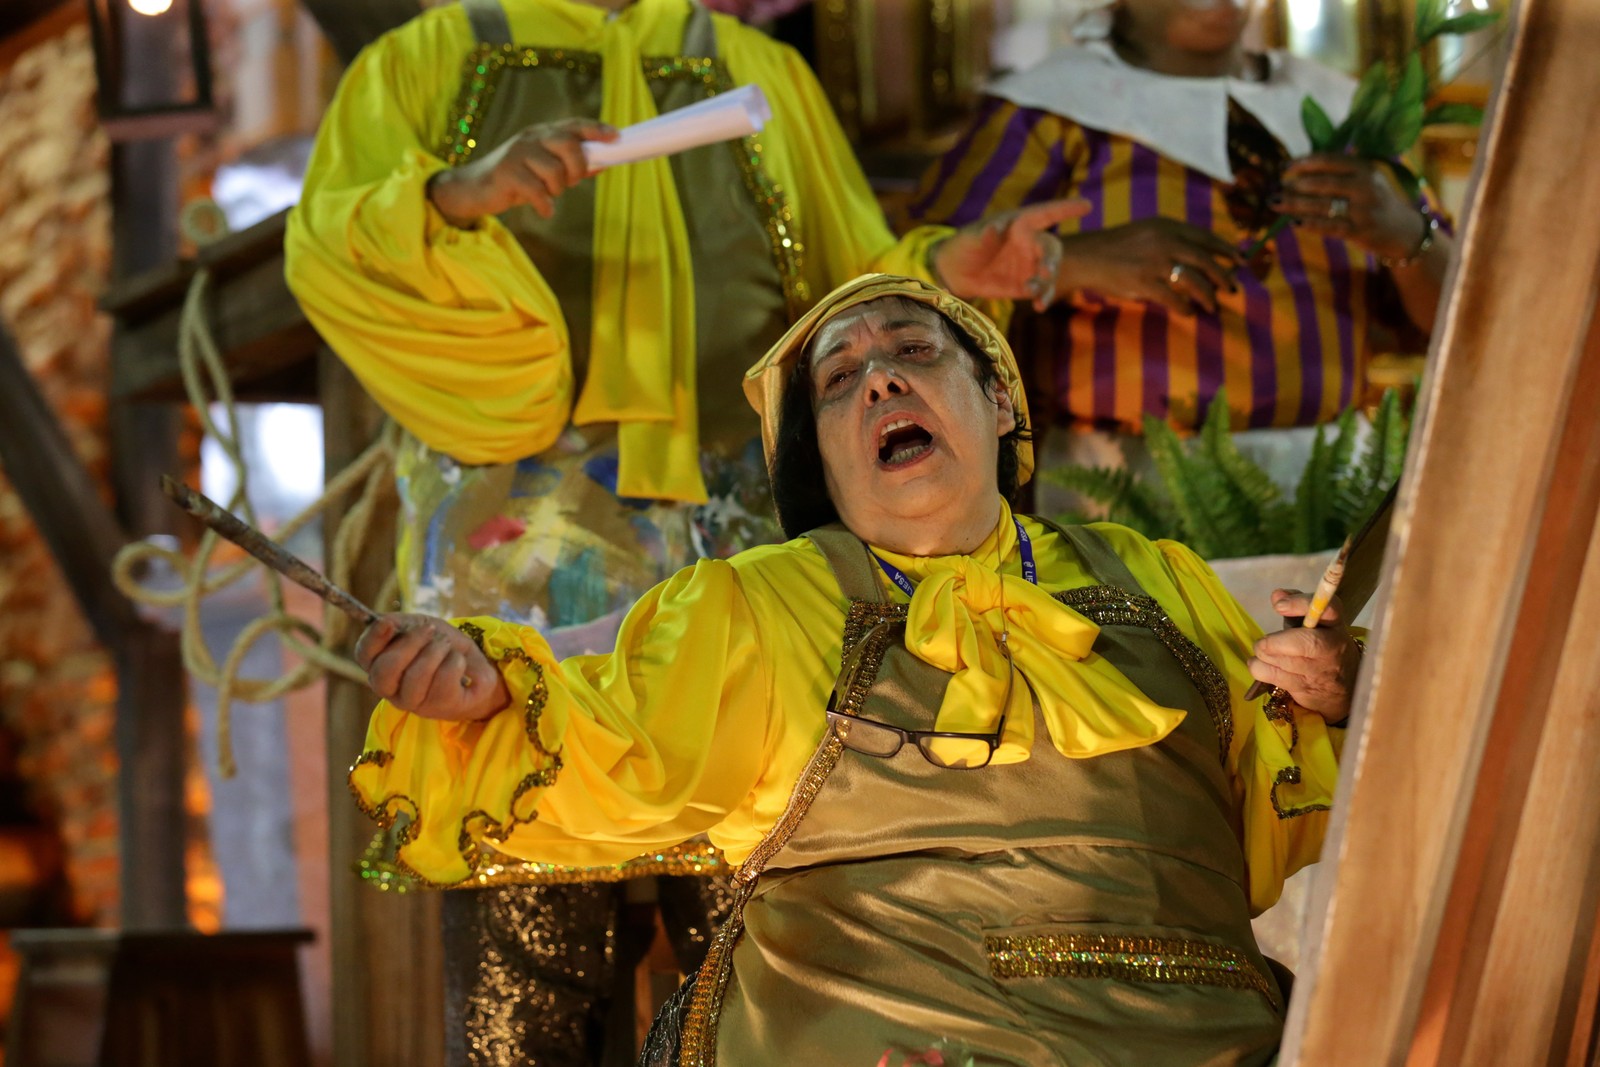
column 642, row 354
column 959, row 610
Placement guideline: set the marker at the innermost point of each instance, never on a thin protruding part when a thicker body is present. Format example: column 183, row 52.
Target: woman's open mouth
column 902, row 442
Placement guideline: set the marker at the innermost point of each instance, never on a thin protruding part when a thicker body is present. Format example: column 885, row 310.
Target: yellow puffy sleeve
column 1284, row 770
column 454, row 332
column 597, row 759
column 836, row 215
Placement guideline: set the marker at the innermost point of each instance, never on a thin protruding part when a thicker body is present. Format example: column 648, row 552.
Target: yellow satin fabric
column 962, row 606
column 642, row 368
column 454, row 332
column 706, row 714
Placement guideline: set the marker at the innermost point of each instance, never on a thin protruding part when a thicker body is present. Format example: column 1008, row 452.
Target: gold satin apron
column 1050, row 912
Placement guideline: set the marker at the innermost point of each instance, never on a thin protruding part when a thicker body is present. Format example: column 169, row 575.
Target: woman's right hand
column 1164, row 261
column 423, row 665
column 534, row 167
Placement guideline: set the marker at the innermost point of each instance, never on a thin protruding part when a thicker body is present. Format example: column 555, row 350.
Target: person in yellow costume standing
column 989, row 780
column 564, row 354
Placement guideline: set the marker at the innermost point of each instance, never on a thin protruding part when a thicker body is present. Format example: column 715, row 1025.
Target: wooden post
column 152, row 690
column 1450, row 923
column 388, row 971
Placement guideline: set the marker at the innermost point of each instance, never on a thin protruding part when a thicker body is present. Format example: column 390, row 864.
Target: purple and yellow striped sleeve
column 1290, row 345
column 1008, row 157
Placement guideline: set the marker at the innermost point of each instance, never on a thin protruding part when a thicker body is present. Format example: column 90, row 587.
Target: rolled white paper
column 738, row 113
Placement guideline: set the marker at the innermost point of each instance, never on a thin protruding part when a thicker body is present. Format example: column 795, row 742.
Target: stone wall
column 57, row 690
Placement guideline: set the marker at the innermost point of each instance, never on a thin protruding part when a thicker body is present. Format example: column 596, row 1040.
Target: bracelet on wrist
column 1430, row 227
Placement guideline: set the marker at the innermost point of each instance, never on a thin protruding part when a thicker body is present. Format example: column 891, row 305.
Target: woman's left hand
column 1317, row 666
column 1009, row 256
column 1352, row 198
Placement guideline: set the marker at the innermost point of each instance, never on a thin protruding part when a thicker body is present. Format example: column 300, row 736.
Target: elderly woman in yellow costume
column 986, row 780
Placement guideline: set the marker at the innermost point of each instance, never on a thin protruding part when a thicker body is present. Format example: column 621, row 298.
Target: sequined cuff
column 532, row 707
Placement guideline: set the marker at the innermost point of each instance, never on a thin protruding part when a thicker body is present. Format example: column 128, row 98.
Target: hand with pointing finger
column 423, row 665
column 1010, row 256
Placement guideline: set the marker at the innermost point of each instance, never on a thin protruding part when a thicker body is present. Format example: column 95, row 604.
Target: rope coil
column 370, row 477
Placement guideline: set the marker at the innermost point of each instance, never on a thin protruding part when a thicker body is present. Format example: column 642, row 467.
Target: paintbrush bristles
column 1327, row 587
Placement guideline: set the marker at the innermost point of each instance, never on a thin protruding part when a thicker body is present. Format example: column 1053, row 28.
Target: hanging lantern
column 153, row 62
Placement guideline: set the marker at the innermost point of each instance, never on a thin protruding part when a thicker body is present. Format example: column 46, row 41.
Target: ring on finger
column 1175, row 275
column 1339, row 208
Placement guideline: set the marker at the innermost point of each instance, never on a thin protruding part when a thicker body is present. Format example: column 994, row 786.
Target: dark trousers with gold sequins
column 530, row 970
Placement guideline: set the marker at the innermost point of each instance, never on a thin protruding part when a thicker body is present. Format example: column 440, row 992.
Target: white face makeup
column 909, row 438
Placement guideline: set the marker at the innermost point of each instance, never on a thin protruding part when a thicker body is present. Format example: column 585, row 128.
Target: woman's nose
column 883, row 383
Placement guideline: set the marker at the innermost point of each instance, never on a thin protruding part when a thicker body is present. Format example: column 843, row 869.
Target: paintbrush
column 264, row 548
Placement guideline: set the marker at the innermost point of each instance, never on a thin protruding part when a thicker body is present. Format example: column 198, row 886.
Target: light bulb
column 151, row 7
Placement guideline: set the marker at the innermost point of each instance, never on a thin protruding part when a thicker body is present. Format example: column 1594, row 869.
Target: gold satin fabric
column 876, row 924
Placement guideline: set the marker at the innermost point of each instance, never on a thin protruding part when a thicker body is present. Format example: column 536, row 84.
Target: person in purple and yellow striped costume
column 1187, row 147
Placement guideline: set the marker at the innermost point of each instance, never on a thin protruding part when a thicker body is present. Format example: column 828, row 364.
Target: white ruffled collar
column 1185, row 119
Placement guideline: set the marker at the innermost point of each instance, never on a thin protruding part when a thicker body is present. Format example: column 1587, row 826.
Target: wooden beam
column 61, row 496
column 266, row 342
column 1524, row 1005
column 1478, row 532
column 388, row 966
column 19, row 15
column 1511, row 765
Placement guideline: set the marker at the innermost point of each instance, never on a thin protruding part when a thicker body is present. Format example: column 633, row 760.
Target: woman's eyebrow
column 889, row 327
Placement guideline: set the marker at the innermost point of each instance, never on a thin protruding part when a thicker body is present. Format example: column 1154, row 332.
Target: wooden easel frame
column 1453, row 920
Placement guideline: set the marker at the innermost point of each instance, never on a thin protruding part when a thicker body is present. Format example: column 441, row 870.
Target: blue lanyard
column 1024, row 545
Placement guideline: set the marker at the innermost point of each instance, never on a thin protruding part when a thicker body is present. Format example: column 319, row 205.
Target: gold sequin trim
column 699, row 1046
column 1106, row 605
column 476, row 825
column 868, row 630
column 1279, row 708
column 691, row 858
column 866, row 614
column 1130, row 959
column 486, row 66
column 532, row 708
column 1291, row 776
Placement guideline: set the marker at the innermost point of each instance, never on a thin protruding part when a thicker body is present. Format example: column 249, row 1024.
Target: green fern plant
column 1213, row 498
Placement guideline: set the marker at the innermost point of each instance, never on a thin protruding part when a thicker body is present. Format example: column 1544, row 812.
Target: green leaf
column 1310, row 498
column 1253, row 497
column 1185, row 485
column 1471, row 22
column 1410, row 184
column 1370, row 96
column 1125, row 499
column 1453, row 115
column 1319, row 127
column 1430, row 13
column 1369, row 92
column 1403, row 122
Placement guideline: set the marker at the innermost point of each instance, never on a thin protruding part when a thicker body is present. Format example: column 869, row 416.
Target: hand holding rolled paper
column 539, row 163
column 738, row 113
